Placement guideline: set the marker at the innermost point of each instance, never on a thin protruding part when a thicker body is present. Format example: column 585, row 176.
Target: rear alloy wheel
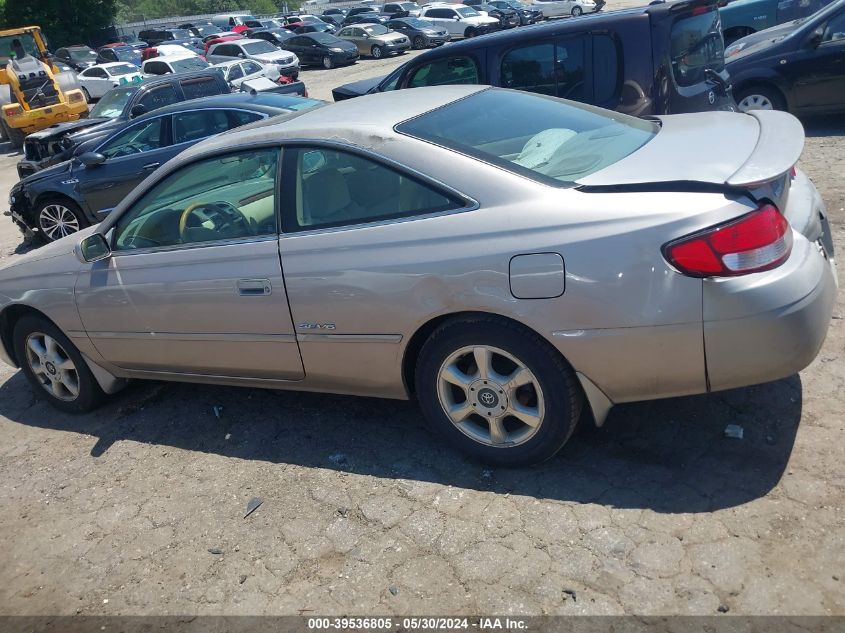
column 498, row 391
column 327, row 63
column 58, row 219
column 760, row 98
column 54, row 367
column 419, row 42
column 576, row 11
column 377, row 52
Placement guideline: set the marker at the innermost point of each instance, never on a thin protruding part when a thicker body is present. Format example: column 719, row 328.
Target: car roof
column 111, row 65
column 360, row 121
column 170, row 58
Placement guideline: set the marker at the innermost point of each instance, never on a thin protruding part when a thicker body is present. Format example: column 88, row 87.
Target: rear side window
column 442, row 72
column 200, row 87
column 159, row 97
column 696, row 45
column 196, row 125
column 533, row 135
column 607, row 78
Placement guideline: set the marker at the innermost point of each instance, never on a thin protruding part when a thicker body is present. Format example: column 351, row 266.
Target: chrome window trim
column 195, row 245
column 470, row 203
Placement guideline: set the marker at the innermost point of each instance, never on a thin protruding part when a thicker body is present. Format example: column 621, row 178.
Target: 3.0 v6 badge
column 316, row 326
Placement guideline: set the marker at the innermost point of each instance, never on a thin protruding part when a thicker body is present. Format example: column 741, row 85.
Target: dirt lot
column 365, row 512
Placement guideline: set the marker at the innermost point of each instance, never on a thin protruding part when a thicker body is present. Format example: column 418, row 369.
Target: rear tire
column 576, row 11
column 54, row 367
column 56, row 218
column 419, row 42
column 524, row 376
column 760, row 98
column 470, row 32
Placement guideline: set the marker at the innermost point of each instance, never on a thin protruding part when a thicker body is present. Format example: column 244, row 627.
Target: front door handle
column 254, row 287
column 150, row 166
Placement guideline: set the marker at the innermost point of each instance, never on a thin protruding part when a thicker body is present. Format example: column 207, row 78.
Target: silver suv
column 261, row 51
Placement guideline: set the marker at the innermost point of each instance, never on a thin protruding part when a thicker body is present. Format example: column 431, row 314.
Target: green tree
column 62, row 21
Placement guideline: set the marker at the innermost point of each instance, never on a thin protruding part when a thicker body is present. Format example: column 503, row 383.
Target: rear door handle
column 254, row 287
column 149, row 166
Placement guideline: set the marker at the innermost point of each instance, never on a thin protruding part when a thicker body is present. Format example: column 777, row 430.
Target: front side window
column 442, row 72
column 327, row 187
column 143, row 137
column 221, row 198
column 540, row 137
column 159, row 97
column 696, row 45
column 835, row 30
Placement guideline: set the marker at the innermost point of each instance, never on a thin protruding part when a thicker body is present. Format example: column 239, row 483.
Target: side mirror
column 93, row 248
column 816, row 37
column 92, row 159
column 241, row 55
column 457, row 19
column 137, row 110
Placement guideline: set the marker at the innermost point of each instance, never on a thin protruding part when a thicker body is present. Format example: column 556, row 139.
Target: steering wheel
column 229, row 216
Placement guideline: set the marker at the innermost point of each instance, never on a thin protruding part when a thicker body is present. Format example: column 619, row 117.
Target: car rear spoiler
column 778, row 148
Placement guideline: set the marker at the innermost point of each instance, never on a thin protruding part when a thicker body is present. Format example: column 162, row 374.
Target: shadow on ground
column 830, row 125
column 668, row 455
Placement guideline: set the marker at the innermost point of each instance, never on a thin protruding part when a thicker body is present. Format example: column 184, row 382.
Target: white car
column 163, row 50
column 173, row 64
column 458, row 19
column 564, row 8
column 238, row 71
column 98, row 80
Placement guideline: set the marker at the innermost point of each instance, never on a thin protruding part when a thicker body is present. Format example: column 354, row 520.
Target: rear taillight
column 758, row 241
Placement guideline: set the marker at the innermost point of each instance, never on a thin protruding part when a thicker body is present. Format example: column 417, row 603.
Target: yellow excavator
column 34, row 92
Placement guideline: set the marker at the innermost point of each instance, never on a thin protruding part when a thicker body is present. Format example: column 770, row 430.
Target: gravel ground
column 365, row 512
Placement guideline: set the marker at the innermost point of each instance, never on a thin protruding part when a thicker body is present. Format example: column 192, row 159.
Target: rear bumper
column 35, row 120
column 770, row 325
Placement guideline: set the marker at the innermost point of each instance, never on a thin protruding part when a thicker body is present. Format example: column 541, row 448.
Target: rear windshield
column 111, row 105
column 544, row 138
column 696, row 45
column 82, row 54
column 190, row 63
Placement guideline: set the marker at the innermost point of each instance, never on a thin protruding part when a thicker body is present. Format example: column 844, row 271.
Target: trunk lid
column 753, row 152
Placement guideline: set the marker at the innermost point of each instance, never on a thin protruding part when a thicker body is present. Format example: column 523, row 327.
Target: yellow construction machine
column 34, row 92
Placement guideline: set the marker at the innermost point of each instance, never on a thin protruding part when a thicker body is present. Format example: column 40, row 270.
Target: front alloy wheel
column 57, row 220
column 576, row 11
column 377, row 52
column 327, row 62
column 52, row 366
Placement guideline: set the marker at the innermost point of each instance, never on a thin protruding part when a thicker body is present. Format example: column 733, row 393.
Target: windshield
column 123, row 69
column 181, row 34
column 544, row 138
column 243, row 19
column 409, row 6
column 82, row 55
column 189, row 63
column 467, row 12
column 258, row 48
column 696, row 45
column 111, row 105
column 376, row 29
column 207, row 29
column 417, row 23
column 515, row 5
column 14, row 45
column 324, row 38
